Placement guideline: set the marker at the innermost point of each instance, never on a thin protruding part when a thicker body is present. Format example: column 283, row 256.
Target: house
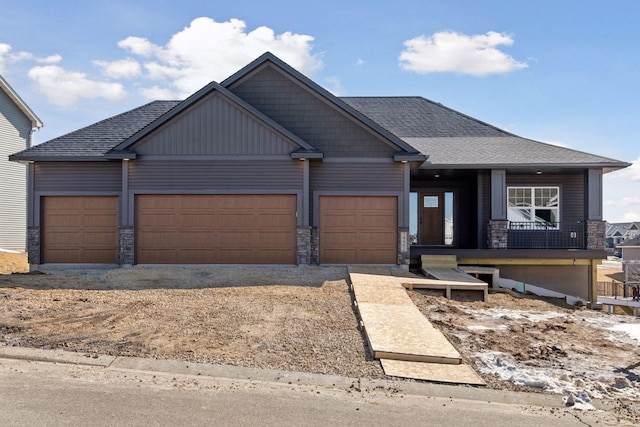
column 630, row 249
column 267, row 167
column 17, row 122
column 619, row 232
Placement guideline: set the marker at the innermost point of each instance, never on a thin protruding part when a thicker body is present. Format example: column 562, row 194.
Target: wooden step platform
column 399, row 334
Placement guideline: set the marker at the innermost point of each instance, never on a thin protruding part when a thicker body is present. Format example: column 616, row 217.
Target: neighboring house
column 630, row 249
column 17, row 122
column 269, row 168
column 619, row 232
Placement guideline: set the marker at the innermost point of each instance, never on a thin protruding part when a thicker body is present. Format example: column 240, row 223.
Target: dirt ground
column 13, row 263
column 302, row 319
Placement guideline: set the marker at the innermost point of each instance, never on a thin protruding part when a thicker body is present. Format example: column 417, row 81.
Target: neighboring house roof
column 92, row 142
column 630, row 243
column 35, row 121
column 454, row 140
column 619, row 229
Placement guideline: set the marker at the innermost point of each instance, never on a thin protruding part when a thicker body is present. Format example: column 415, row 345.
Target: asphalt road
column 48, row 394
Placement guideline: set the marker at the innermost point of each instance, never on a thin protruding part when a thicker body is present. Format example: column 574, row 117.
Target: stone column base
column 303, row 250
column 126, row 251
column 33, row 245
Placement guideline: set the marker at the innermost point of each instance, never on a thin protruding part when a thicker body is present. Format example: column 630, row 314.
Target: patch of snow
column 537, row 290
column 484, row 327
column 555, row 381
column 498, row 313
column 632, row 329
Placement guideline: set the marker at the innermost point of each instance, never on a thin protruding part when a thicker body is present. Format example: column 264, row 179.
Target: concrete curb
column 287, row 377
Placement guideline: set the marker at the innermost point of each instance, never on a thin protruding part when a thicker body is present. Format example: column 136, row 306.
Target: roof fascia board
column 607, row 167
column 320, row 92
column 36, row 123
column 199, row 95
column 41, row 158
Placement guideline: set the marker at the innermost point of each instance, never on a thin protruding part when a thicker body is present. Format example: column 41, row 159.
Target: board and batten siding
column 15, row 131
column 81, row 177
column 215, row 175
column 572, row 207
column 214, row 126
column 309, row 116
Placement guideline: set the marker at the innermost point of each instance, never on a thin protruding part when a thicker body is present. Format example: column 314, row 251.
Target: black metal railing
column 546, row 235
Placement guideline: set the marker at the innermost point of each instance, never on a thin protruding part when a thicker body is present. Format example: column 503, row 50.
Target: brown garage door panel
column 358, row 229
column 216, row 229
column 80, row 229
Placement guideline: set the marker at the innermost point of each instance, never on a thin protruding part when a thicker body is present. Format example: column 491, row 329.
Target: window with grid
column 537, row 205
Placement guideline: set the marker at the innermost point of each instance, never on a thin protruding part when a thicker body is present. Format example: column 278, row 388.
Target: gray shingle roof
column 452, row 139
column 95, row 140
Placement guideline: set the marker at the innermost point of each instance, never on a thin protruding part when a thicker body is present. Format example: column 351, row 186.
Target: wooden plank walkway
column 399, row 334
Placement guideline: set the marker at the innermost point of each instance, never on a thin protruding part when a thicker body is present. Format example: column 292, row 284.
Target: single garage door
column 358, row 230
column 215, row 229
column 79, row 229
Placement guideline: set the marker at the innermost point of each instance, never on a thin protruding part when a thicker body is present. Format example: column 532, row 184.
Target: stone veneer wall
column 315, row 246
column 303, row 252
column 498, row 234
column 404, row 254
column 126, row 251
column 595, row 234
column 33, row 245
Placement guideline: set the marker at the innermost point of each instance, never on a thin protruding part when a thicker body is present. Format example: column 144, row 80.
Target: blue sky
column 563, row 72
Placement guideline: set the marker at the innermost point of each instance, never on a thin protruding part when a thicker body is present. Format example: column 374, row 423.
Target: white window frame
column 533, row 207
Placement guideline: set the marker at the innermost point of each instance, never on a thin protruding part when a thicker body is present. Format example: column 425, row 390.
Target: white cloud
column 123, row 69
column 7, row 57
column 622, row 194
column 208, row 51
column 157, row 92
column 335, row 86
column 359, row 62
column 65, row 88
column 631, row 173
column 449, row 51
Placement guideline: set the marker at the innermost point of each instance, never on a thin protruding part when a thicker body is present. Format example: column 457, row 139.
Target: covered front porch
column 572, row 272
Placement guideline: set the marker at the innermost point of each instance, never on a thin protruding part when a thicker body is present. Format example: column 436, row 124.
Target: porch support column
column 33, row 227
column 404, row 252
column 595, row 234
column 593, row 199
column 303, row 236
column 497, row 237
column 499, row 194
column 126, row 251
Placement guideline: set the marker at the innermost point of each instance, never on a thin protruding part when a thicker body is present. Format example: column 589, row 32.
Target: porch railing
column 546, row 235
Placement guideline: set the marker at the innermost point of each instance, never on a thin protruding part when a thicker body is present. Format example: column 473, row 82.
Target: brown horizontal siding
column 214, row 126
column 78, row 176
column 210, row 175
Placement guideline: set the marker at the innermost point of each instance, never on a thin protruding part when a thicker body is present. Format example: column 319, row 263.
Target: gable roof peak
column 269, row 57
column 36, row 123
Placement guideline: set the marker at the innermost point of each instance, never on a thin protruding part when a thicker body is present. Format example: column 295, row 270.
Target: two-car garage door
column 215, row 229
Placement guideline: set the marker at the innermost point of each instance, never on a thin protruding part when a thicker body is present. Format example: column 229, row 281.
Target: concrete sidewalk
column 134, row 364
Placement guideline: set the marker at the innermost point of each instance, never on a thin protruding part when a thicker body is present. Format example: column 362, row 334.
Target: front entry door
column 431, row 219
